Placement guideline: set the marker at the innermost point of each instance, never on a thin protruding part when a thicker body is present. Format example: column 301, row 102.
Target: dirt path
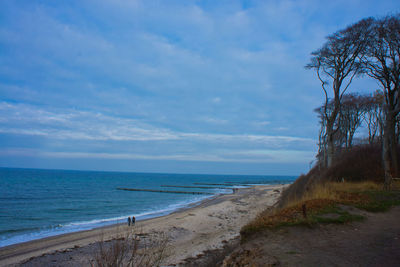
column 373, row 242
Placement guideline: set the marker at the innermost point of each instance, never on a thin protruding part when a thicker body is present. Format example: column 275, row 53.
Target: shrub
column 360, row 163
column 131, row 249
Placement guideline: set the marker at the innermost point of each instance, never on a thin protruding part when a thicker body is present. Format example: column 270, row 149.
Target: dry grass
column 289, row 214
column 359, row 164
column 324, row 198
column 355, row 178
column 396, row 185
column 132, row 249
column 346, row 192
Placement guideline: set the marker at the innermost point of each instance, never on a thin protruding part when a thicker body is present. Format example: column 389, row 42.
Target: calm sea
column 40, row 203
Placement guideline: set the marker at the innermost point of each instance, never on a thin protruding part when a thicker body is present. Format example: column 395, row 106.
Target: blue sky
column 166, row 86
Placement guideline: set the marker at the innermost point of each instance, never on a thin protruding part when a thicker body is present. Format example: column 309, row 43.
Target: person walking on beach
column 133, row 220
column 129, row 221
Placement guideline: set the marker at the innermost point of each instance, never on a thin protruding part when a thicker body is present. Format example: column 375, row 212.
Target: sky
column 215, row 87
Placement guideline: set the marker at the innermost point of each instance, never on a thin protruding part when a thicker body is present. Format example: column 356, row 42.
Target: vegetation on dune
column 326, row 203
column 131, row 249
column 361, row 164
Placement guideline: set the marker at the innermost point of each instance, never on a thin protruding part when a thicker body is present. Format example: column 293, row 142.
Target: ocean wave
column 7, row 238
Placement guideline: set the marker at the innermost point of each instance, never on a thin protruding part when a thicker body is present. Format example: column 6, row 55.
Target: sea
column 37, row 203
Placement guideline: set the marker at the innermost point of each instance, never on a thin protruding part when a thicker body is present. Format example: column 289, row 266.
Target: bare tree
column 373, row 116
column 353, row 107
column 338, row 61
column 382, row 61
column 322, row 144
column 351, row 115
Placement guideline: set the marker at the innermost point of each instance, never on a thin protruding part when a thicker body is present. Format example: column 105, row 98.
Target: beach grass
column 131, row 248
column 325, row 203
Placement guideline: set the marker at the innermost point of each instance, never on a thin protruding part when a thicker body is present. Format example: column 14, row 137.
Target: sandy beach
column 208, row 225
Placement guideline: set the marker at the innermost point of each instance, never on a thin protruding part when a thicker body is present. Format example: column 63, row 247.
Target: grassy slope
column 319, row 196
column 324, row 204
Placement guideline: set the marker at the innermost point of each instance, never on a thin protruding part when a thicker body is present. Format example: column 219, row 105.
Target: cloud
column 178, row 77
column 267, row 156
column 25, row 119
column 281, row 128
column 216, row 100
column 74, row 124
column 214, row 120
column 262, row 123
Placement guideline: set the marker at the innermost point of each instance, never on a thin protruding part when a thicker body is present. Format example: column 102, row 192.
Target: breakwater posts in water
column 164, row 191
column 248, row 183
column 230, row 184
column 202, row 187
column 212, row 184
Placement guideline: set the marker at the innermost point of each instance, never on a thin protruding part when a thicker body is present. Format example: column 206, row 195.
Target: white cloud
column 84, row 125
column 214, row 120
column 262, row 123
column 203, row 77
column 73, row 124
column 256, row 156
column 281, row 128
column 216, row 100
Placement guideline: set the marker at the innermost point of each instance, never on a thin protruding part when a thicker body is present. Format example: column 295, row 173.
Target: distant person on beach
column 129, row 221
column 133, row 220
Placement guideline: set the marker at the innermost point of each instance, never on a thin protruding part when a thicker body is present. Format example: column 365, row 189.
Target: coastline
column 80, row 226
column 197, row 227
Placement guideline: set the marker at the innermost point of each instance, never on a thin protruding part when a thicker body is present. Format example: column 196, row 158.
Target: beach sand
column 191, row 231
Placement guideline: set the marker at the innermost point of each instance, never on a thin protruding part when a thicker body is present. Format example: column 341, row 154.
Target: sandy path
column 191, row 231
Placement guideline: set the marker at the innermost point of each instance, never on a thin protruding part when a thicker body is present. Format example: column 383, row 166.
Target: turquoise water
column 40, row 203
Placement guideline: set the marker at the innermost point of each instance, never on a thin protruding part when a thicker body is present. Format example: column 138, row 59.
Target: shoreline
column 207, row 209
column 115, row 221
column 149, row 216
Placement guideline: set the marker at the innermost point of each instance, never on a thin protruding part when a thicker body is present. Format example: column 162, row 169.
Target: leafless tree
column 322, row 144
column 338, row 62
column 353, row 107
column 373, row 116
column 382, row 61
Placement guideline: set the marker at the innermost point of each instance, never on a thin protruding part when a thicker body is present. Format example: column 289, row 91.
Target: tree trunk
column 393, row 147
column 389, row 151
column 330, row 133
column 331, row 147
column 386, row 162
column 351, row 134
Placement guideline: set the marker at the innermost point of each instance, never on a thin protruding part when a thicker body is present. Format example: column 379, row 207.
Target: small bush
column 131, row 249
column 360, row 163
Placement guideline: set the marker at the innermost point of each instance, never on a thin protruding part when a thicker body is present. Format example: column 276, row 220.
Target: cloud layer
column 67, row 127
column 205, row 81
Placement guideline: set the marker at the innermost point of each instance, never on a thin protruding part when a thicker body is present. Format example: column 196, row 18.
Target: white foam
column 88, row 225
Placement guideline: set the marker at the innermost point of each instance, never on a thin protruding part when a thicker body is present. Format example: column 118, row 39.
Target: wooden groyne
column 225, row 184
column 212, row 184
column 202, row 187
column 164, row 191
column 247, row 183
